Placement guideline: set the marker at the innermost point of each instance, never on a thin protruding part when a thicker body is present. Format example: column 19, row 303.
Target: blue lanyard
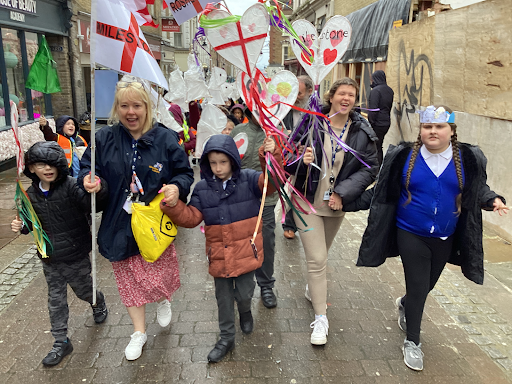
column 138, row 184
column 335, row 150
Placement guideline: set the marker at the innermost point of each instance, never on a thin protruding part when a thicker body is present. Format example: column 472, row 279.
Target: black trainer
column 58, row 352
column 268, row 297
column 220, row 350
column 99, row 312
column 246, row 322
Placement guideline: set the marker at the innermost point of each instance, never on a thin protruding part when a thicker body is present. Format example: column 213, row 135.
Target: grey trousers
column 265, row 274
column 228, row 290
column 58, row 276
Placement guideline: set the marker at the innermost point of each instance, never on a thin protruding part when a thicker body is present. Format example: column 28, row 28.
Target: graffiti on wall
column 417, row 87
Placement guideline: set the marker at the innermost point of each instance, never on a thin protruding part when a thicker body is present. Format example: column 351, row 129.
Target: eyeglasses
column 126, row 84
column 41, row 165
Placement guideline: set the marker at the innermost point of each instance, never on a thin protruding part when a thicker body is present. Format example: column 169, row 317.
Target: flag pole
column 93, row 151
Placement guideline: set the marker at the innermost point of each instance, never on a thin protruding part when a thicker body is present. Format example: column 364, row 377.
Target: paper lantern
column 11, row 61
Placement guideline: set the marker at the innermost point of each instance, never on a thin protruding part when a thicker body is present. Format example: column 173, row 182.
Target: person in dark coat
column 426, row 207
column 62, row 208
column 341, row 180
column 228, row 200
column 138, row 157
column 381, row 97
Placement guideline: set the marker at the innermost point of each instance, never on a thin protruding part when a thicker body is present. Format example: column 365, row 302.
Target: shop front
column 22, row 24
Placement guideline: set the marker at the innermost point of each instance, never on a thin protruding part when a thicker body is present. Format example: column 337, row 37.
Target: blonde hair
column 456, row 159
column 133, row 94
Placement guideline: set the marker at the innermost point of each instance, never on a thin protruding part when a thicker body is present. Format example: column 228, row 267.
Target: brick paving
column 466, row 335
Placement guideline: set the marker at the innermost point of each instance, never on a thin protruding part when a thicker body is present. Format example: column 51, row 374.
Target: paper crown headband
column 433, row 115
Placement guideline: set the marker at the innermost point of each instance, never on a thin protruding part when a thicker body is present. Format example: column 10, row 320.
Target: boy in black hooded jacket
column 62, row 208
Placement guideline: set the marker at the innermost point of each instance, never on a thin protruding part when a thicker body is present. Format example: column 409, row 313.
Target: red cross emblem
column 129, row 36
column 242, row 43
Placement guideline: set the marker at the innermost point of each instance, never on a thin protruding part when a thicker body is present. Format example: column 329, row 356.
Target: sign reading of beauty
column 28, row 6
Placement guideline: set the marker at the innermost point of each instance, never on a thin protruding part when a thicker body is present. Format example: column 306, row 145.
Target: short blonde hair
column 133, row 94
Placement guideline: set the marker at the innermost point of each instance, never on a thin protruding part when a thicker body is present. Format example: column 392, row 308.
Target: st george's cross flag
column 118, row 43
column 139, row 8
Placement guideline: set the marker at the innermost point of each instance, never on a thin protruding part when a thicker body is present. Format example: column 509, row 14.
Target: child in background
column 228, row 200
column 187, row 136
column 62, row 207
column 238, row 111
column 68, row 138
column 232, row 122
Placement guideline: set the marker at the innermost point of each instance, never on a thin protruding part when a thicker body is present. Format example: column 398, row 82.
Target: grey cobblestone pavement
column 466, row 331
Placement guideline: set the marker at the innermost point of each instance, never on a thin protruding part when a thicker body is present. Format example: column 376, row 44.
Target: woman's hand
column 499, row 207
column 308, row 156
column 42, row 121
column 335, row 202
column 172, row 194
column 269, row 145
column 16, row 225
column 90, row 186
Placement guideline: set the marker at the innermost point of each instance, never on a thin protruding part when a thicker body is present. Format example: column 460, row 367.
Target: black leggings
column 423, row 259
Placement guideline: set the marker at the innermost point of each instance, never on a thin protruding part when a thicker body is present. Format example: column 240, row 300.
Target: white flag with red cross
column 139, row 8
column 118, row 42
column 184, row 10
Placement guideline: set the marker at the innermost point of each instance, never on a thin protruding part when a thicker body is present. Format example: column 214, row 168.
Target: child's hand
column 90, row 186
column 308, row 156
column 269, row 145
column 42, row 121
column 335, row 202
column 16, row 225
column 172, row 194
column 499, row 206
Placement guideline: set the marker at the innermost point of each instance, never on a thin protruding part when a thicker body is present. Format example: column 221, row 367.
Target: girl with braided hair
column 426, row 207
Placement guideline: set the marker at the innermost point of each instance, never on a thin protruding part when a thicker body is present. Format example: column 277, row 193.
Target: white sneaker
column 164, row 313
column 134, row 348
column 320, row 330
column 307, row 295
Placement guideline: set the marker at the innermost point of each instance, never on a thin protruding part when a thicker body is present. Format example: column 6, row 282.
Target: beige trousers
column 316, row 243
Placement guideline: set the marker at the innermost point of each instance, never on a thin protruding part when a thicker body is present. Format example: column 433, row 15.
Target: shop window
column 178, row 41
column 19, row 50
column 14, row 70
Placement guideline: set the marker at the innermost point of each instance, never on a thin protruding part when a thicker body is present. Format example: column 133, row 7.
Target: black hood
column 48, row 152
column 59, row 124
column 224, row 144
column 378, row 77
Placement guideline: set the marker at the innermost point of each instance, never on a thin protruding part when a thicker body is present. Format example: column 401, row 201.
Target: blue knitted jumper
column 432, row 211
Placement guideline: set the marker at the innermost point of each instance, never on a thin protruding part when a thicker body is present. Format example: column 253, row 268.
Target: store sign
column 18, row 16
column 27, row 6
column 170, row 25
column 154, row 45
column 85, row 36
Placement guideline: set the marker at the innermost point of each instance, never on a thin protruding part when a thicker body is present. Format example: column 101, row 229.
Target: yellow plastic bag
column 152, row 229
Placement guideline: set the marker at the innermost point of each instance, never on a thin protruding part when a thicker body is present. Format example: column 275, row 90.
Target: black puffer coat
column 63, row 213
column 354, row 177
column 379, row 239
column 381, row 96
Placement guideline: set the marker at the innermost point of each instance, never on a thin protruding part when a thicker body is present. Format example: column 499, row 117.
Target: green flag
column 43, row 72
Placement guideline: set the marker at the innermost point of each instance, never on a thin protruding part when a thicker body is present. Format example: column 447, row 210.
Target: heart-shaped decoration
column 240, row 42
column 242, row 142
column 284, row 87
column 212, row 122
column 327, row 47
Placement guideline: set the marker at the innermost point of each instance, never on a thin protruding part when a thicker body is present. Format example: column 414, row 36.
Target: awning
column 370, row 30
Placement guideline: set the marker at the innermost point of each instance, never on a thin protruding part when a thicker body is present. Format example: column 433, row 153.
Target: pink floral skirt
column 140, row 282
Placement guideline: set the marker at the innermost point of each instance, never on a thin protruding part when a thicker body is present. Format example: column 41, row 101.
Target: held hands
column 308, row 156
column 269, row 145
column 16, row 225
column 172, row 194
column 335, row 202
column 499, row 207
column 90, row 186
column 42, row 121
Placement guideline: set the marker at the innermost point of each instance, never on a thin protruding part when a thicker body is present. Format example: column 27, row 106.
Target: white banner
column 184, row 10
column 120, row 44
